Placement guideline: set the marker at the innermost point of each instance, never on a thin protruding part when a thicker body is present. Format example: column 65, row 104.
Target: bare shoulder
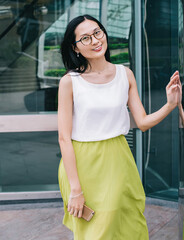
column 66, row 82
column 130, row 75
column 129, row 72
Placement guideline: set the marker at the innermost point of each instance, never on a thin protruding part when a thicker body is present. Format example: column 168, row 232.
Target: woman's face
column 97, row 47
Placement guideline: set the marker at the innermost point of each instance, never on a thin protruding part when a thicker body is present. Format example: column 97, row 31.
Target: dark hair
column 69, row 56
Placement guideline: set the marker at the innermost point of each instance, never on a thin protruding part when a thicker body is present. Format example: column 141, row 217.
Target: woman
column 97, row 167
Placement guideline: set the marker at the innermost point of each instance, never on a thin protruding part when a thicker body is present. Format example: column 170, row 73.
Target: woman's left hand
column 173, row 90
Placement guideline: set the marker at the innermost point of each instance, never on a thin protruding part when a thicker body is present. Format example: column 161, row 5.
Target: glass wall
column 22, row 23
column 160, row 60
column 29, row 158
column 30, row 69
column 29, row 161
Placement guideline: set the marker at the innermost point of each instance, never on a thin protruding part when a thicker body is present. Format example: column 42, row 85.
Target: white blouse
column 100, row 110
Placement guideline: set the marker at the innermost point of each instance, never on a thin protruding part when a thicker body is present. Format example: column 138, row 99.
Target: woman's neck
column 98, row 65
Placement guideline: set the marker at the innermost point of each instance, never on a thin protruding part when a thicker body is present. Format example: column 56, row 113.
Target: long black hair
column 69, row 56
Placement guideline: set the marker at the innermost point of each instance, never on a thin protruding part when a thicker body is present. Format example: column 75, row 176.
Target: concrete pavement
column 43, row 221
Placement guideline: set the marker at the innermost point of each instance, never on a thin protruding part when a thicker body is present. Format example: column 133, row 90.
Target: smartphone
column 87, row 213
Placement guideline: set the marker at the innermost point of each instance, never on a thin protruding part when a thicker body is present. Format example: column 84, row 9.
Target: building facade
column 146, row 36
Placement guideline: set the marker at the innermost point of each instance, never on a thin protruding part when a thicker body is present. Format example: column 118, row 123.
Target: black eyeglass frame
column 91, row 37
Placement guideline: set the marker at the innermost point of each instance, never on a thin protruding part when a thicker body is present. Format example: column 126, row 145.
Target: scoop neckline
column 100, row 84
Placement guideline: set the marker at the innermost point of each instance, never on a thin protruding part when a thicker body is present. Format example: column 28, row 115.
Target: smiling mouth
column 98, row 48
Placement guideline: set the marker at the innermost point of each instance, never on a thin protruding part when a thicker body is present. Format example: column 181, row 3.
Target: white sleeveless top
column 100, row 110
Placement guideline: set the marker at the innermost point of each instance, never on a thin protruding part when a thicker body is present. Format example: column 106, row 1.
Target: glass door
column 29, row 147
column 160, row 60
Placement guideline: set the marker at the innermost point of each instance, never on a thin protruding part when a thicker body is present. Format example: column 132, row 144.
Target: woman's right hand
column 173, row 90
column 75, row 205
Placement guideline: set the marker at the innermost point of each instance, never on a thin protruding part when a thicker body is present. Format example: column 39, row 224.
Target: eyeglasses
column 87, row 39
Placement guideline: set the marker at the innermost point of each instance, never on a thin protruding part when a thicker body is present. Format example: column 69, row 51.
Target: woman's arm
column 144, row 121
column 65, row 108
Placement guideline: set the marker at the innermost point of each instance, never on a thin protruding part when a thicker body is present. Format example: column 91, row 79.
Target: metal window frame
column 138, row 75
column 28, row 123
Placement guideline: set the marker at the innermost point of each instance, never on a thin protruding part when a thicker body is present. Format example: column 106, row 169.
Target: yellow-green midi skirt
column 112, row 188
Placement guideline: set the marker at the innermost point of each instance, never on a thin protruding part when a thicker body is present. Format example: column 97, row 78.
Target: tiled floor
column 43, row 221
column 162, row 222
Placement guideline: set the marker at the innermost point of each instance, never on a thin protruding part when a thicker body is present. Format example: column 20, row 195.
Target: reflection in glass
column 20, row 83
column 160, row 60
column 30, row 70
column 27, row 27
column 26, row 164
column 31, row 33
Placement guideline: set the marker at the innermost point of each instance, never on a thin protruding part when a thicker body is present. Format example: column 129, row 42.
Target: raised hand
column 173, row 90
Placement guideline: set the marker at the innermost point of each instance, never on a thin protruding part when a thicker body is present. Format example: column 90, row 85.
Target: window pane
column 161, row 143
column 23, row 88
column 29, row 161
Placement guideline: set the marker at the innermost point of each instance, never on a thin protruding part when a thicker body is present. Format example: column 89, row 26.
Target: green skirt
column 112, row 188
